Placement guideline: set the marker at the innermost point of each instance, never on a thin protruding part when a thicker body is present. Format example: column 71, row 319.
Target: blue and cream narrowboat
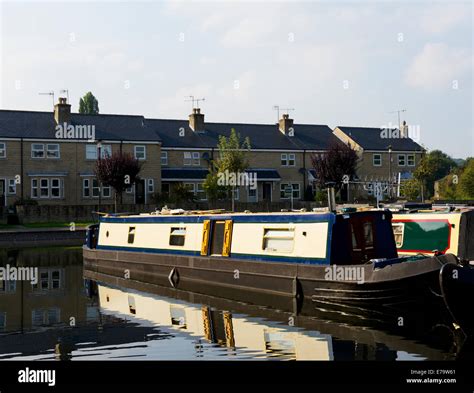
column 346, row 259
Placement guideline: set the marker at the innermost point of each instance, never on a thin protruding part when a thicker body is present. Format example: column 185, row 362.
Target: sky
column 351, row 63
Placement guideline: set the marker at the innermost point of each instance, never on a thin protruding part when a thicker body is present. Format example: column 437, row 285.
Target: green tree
column 411, row 189
column 433, row 166
column 232, row 159
column 465, row 189
column 88, row 105
column 213, row 189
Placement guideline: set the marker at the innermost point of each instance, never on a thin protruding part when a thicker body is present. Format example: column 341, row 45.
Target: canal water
column 66, row 316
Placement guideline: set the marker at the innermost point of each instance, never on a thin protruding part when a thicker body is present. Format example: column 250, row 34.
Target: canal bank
column 18, row 237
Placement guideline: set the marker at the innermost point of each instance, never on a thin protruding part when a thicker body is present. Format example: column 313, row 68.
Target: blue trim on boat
column 248, row 218
column 252, row 257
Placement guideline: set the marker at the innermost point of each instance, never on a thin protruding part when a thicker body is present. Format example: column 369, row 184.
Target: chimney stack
column 62, row 111
column 285, row 124
column 196, row 120
column 404, row 130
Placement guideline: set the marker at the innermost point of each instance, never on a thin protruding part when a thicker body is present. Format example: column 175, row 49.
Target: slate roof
column 370, row 139
column 41, row 125
column 262, row 136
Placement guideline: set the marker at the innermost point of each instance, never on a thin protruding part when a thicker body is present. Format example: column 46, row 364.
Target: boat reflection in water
column 262, row 332
column 75, row 314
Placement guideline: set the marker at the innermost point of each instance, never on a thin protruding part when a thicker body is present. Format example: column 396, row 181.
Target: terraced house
column 38, row 162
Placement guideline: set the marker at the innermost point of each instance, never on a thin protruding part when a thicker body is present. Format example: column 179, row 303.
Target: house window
column 377, row 159
column 398, row 231
column 188, row 158
column 41, row 317
column 295, row 187
column 34, row 188
column 278, row 239
column 92, row 151
column 140, row 152
column 86, row 188
column 44, row 188
column 192, row 158
column 52, row 151
column 55, row 188
column 129, row 190
column 37, row 150
column 48, row 280
column 236, row 193
column 200, row 192
column 151, row 185
column 3, row 150
column 191, row 187
column 8, row 286
column 177, row 236
column 288, row 159
column 91, row 188
column 401, row 160
column 11, row 186
column 164, row 158
column 252, row 194
column 410, row 159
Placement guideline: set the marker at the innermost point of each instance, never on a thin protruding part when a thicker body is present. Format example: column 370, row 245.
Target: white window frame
column 379, row 155
column 408, row 160
column 135, row 148
column 294, row 189
column 404, row 159
column 41, row 188
column 58, row 150
column 187, row 158
column 275, row 234
column 11, row 183
column 86, row 185
column 89, row 148
column 249, row 196
column 37, row 150
column 55, row 188
column 284, row 159
column 150, row 184
column 196, row 158
column 105, row 151
column 236, row 193
column 191, row 189
column 3, row 150
column 106, row 192
column 34, row 187
column 164, row 158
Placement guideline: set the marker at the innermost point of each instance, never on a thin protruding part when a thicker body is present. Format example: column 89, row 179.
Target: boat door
column 362, row 233
column 217, row 237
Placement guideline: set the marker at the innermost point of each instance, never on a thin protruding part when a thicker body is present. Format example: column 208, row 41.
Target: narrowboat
column 440, row 231
column 346, row 259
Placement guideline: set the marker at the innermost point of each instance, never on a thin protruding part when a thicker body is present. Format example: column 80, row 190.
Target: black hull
column 390, row 292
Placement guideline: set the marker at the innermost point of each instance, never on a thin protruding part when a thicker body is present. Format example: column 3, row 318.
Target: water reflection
column 66, row 316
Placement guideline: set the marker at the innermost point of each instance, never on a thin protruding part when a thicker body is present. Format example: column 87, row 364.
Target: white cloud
column 443, row 17
column 438, row 65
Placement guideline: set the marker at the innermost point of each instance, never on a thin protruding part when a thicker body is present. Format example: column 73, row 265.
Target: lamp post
column 99, row 156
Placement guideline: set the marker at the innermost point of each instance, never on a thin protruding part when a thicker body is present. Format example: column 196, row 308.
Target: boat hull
column 389, row 290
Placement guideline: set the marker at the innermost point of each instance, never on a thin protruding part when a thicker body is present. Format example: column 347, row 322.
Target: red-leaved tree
column 119, row 171
column 332, row 166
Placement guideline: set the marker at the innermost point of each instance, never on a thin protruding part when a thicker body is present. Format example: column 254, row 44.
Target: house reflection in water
column 57, row 298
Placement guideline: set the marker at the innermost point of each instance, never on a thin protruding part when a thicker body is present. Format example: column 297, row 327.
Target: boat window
column 177, row 236
column 398, row 231
column 355, row 245
column 278, row 239
column 131, row 235
column 368, row 234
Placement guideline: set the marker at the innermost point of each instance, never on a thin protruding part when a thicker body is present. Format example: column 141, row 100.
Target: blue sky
column 335, row 63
